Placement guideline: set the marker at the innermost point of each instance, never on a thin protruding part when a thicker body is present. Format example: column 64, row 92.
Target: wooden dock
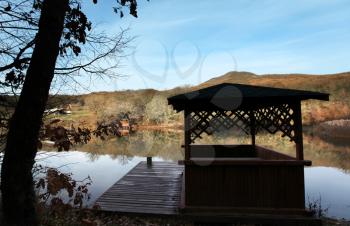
column 151, row 190
column 156, row 190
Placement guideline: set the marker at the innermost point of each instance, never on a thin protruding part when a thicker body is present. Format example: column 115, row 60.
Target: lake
column 328, row 180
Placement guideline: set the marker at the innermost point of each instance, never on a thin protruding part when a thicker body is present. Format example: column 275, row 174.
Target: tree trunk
column 18, row 197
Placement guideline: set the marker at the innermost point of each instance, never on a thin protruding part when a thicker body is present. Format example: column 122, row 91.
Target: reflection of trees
column 93, row 156
column 327, row 154
column 319, row 151
column 124, row 160
column 167, row 145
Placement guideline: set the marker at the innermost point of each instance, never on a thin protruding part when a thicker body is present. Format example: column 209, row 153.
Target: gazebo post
column 252, row 127
column 298, row 131
column 187, row 123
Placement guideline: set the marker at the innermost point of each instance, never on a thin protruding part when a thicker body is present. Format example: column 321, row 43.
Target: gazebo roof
column 229, row 96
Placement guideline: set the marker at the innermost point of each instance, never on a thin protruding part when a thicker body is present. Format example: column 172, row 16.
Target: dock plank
column 153, row 190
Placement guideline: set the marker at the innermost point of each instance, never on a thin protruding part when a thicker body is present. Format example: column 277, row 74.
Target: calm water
column 106, row 162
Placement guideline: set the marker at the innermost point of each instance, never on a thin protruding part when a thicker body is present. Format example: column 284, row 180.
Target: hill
column 333, row 84
column 149, row 106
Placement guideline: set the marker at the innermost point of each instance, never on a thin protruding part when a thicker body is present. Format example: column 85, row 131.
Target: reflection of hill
column 337, row 141
column 319, row 151
column 327, row 154
column 167, row 146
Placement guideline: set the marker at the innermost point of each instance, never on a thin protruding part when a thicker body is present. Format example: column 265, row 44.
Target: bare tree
column 32, row 36
column 84, row 51
column 18, row 27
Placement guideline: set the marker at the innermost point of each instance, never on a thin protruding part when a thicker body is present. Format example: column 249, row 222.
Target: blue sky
column 183, row 42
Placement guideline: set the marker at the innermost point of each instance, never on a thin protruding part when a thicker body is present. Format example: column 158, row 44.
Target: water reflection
column 332, row 186
column 107, row 161
column 166, row 145
column 320, row 151
column 104, row 170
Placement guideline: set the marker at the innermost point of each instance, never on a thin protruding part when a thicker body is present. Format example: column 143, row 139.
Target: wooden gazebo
column 243, row 178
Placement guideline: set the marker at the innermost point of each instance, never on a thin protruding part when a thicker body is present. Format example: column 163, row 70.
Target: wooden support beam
column 187, row 127
column 298, row 131
column 252, row 127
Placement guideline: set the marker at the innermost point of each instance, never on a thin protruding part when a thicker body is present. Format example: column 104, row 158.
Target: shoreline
column 160, row 127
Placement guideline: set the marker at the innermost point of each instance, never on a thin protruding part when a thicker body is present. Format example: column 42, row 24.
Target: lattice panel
column 271, row 119
column 276, row 118
column 210, row 122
